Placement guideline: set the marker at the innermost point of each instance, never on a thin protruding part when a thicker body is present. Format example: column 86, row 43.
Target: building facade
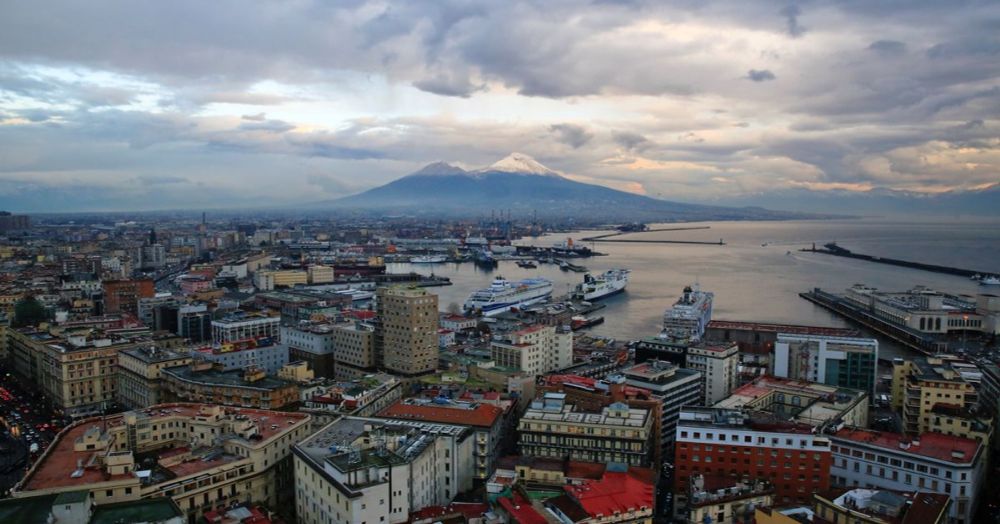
column 719, row 368
column 201, row 382
column 205, row 457
column 675, row 388
column 406, row 332
column 139, row 374
column 922, row 383
column 555, row 429
column 536, row 350
column 837, row 361
column 932, row 462
column 240, row 326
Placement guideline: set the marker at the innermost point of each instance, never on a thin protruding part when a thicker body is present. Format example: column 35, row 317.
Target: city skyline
column 133, row 107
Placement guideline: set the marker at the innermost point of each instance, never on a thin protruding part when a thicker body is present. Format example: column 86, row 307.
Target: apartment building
column 122, row 296
column 76, row 371
column 535, row 350
column 923, row 383
column 719, row 368
column 242, row 326
column 263, row 353
column 203, row 382
column 371, row 470
column 486, row 421
column 792, row 456
column 726, row 500
column 200, row 456
column 930, row 462
column 674, row 387
column 406, row 333
column 343, row 351
column 139, row 369
column 553, row 428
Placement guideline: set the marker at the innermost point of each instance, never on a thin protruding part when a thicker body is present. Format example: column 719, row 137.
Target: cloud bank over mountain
column 151, row 105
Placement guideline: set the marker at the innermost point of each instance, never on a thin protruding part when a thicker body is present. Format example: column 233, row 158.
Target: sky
column 134, row 105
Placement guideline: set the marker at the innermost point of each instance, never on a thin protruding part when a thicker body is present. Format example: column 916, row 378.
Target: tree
column 29, row 312
column 453, row 308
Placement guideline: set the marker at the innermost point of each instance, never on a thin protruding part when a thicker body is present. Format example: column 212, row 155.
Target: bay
column 752, row 281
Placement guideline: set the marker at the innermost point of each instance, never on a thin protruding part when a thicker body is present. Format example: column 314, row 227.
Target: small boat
column 527, row 264
column 991, row 280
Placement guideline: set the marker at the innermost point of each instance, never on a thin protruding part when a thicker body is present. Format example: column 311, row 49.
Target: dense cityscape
column 199, row 369
column 500, row 262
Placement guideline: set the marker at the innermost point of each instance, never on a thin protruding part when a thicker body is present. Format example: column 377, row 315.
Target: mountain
column 879, row 202
column 522, row 184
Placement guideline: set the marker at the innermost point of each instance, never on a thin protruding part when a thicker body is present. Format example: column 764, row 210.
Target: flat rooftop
column 59, row 461
column 937, row 446
column 233, row 378
column 791, row 329
column 151, row 355
column 818, row 403
column 474, row 414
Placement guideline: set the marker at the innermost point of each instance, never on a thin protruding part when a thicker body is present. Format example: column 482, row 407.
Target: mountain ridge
column 521, row 183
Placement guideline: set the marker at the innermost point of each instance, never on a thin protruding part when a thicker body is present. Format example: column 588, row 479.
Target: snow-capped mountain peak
column 519, row 163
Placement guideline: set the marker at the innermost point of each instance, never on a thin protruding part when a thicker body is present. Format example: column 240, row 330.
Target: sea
column 757, row 274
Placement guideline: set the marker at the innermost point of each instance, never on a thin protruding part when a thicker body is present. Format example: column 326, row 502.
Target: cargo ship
column 503, row 295
column 610, row 282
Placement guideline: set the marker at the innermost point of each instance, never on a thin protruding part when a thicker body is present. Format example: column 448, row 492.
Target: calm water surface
column 753, row 282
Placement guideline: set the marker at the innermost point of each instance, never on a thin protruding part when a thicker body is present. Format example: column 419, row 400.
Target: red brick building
column 724, row 442
column 122, row 296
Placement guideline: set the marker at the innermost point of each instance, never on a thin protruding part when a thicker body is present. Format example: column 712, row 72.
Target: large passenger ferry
column 503, row 295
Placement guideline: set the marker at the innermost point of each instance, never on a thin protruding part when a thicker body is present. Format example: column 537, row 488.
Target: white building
column 535, row 350
column 242, row 327
column 835, row 361
column 934, row 462
column 270, row 358
column 718, row 365
column 377, row 471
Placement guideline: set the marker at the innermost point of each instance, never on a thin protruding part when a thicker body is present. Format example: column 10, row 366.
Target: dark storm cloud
column 791, row 13
column 572, row 135
column 449, row 85
column 631, row 141
column 888, row 47
column 760, row 75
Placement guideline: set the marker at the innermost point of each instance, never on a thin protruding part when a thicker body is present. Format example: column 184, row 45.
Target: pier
column 640, row 241
column 619, row 233
column 911, row 339
column 833, row 249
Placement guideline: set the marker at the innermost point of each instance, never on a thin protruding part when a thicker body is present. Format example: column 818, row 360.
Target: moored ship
column 504, row 295
column 610, row 282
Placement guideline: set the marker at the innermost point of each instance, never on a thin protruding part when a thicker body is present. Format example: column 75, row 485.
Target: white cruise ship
column 689, row 316
column 503, row 295
column 606, row 284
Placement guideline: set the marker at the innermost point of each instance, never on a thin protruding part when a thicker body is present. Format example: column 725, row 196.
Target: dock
column 911, row 339
column 640, row 241
column 833, row 249
column 619, row 233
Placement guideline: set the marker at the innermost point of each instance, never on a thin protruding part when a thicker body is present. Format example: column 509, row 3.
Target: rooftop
column 233, row 378
column 616, row 492
column 466, row 414
column 782, row 328
column 146, row 510
column 151, row 354
column 58, row 465
column 938, row 446
column 805, row 402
